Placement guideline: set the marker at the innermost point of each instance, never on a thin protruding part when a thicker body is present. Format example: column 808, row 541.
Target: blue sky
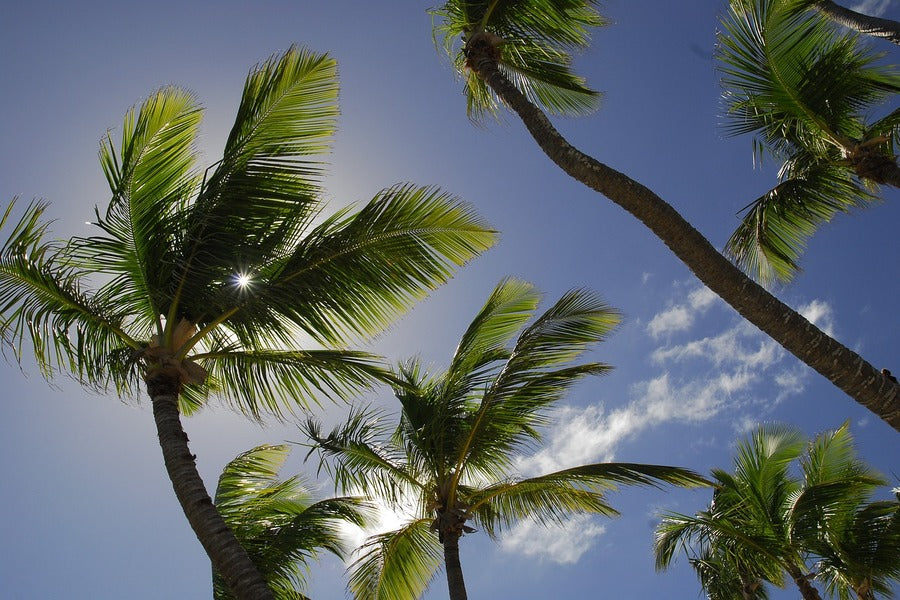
column 89, row 510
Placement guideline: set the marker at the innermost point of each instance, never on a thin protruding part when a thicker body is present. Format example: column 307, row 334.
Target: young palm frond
column 533, row 40
column 806, row 92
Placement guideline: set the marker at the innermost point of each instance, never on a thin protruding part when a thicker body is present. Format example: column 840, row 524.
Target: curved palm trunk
column 847, row 370
column 454, row 567
column 226, row 554
column 874, row 26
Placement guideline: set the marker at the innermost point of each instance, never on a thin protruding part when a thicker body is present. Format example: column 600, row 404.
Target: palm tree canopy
column 765, row 519
column 451, row 457
column 807, row 92
column 218, row 273
column 278, row 522
column 533, row 40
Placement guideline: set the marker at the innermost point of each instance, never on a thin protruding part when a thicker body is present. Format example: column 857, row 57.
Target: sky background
column 88, row 510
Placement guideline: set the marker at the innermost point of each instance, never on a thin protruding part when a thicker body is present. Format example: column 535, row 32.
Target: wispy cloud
column 681, row 316
column 564, row 544
column 875, row 8
column 737, row 372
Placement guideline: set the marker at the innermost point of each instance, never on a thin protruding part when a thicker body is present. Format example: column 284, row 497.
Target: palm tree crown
column 451, row 456
column 807, row 92
column 204, row 282
column 533, row 41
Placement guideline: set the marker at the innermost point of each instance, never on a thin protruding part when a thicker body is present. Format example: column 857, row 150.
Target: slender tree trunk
column 454, row 567
column 874, row 26
column 806, row 588
column 839, row 364
column 225, row 552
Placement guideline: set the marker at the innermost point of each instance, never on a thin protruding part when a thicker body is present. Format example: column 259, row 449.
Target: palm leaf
column 44, row 304
column 277, row 522
column 396, row 565
column 552, row 498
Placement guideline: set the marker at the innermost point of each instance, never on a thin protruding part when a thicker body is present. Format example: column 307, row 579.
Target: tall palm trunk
column 225, row 552
column 807, row 590
column 454, row 567
column 874, row 26
column 847, row 370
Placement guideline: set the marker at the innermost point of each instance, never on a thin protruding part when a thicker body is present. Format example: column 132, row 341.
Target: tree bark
column 223, row 549
column 843, row 367
column 453, row 566
column 807, row 590
column 874, row 26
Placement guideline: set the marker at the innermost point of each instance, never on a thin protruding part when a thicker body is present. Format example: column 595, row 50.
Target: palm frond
column 356, row 274
column 264, row 191
column 278, row 522
column 354, row 456
column 152, row 178
column 274, row 383
column 44, row 305
column 552, row 498
column 776, row 226
column 396, row 565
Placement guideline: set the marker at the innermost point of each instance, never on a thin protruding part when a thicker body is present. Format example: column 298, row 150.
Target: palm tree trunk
column 843, row 367
column 806, row 588
column 874, row 26
column 454, row 567
column 226, row 554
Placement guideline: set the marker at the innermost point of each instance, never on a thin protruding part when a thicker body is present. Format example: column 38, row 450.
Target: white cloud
column 875, row 8
column 820, row 314
column 681, row 316
column 563, row 544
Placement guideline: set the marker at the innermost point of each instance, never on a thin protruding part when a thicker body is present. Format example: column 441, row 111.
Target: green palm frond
column 552, row 498
column 152, row 177
column 357, row 273
column 262, row 383
column 776, row 227
column 355, row 457
column 538, row 39
column 44, row 304
column 396, row 565
column 278, row 522
column 793, row 79
column 264, row 191
column 528, row 383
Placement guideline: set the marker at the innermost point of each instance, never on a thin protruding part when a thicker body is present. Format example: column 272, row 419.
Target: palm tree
column 855, row 21
column 806, row 92
column 856, row 540
column 764, row 522
column 277, row 522
column 520, row 53
column 451, row 457
column 201, row 283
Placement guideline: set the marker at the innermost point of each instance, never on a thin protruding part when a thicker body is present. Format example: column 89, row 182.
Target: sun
column 242, row 280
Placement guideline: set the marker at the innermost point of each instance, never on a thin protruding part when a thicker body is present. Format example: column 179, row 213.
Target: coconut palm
column 278, row 523
column 855, row 21
column 451, row 458
column 519, row 53
column 203, row 283
column 856, row 541
column 764, row 522
column 807, row 93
